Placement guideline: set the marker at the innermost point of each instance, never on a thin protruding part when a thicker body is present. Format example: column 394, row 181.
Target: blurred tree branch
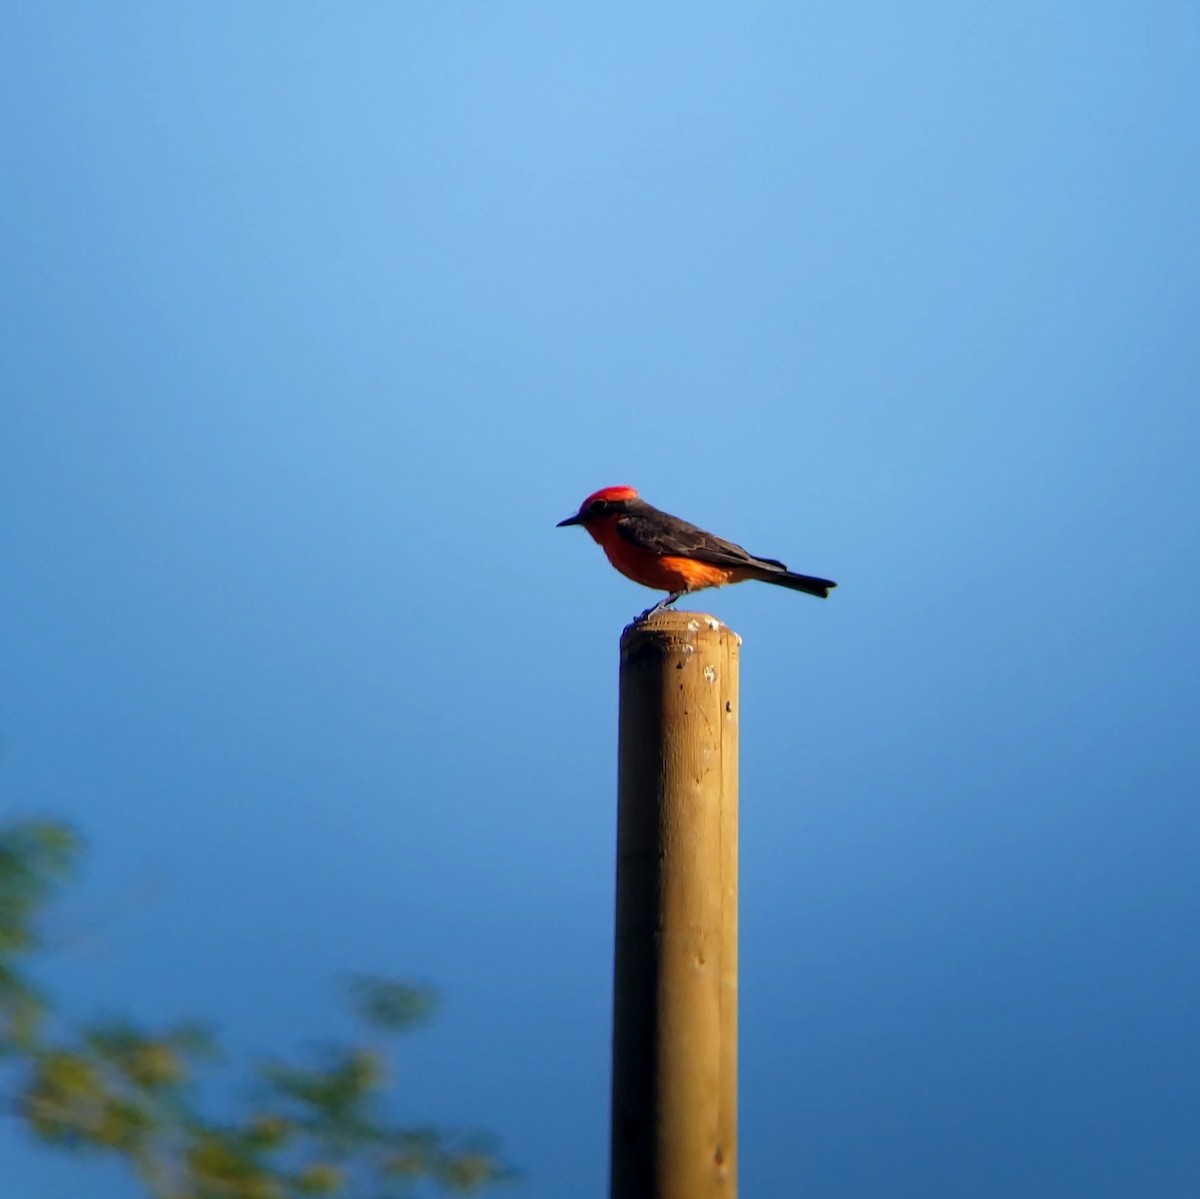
column 312, row 1129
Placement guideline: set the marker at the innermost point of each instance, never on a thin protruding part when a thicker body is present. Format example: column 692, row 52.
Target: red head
column 601, row 505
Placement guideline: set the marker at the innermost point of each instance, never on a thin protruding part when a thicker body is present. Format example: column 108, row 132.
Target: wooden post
column 674, row 1087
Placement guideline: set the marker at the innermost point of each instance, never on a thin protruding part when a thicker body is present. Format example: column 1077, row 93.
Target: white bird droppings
column 710, row 674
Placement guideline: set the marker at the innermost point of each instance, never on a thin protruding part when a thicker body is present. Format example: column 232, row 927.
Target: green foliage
column 390, row 1006
column 316, row 1128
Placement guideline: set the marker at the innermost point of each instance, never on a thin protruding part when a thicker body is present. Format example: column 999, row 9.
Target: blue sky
column 316, row 318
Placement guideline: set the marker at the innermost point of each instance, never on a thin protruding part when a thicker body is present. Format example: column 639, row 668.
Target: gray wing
column 663, row 534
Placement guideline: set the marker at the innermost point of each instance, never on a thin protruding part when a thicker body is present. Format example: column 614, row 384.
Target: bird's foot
column 662, row 603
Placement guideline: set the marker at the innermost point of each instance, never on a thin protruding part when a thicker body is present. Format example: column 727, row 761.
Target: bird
column 661, row 551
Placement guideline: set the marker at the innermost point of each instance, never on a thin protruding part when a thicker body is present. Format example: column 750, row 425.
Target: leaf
column 389, row 1005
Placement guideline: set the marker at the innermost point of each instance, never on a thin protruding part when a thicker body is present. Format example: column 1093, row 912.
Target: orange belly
column 663, row 573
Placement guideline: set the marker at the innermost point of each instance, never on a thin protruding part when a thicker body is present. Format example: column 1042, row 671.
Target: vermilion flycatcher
column 661, row 551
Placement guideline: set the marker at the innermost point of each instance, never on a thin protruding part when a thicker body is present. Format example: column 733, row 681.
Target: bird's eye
column 596, row 507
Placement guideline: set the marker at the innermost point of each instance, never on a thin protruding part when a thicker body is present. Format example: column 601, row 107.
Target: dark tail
column 806, row 583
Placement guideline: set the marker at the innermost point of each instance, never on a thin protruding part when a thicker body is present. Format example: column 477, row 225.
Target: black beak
column 571, row 520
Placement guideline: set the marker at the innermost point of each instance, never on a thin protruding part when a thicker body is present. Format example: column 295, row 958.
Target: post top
column 670, row 624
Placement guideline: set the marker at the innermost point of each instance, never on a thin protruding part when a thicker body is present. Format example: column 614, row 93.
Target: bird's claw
column 662, row 603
